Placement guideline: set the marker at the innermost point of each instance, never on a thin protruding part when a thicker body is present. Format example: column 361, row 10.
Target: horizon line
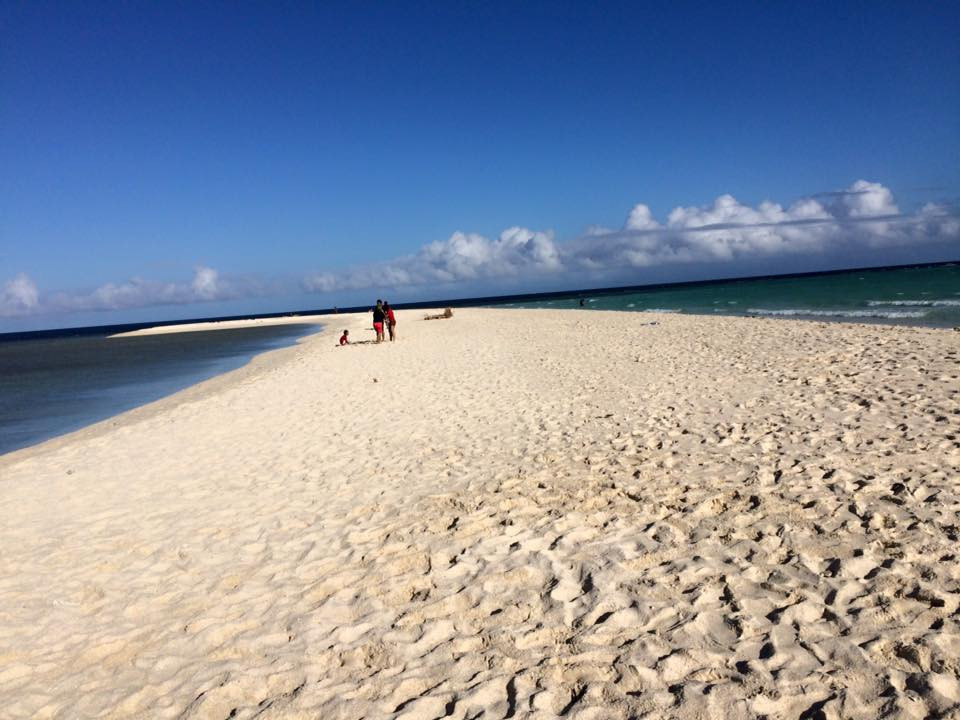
column 453, row 302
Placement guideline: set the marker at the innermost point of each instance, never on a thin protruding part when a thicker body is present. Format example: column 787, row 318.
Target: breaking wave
column 889, row 314
column 914, row 303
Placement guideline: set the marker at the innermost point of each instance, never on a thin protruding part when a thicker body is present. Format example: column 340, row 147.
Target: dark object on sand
column 448, row 313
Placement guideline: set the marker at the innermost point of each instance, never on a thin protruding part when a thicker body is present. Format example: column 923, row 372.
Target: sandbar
column 225, row 325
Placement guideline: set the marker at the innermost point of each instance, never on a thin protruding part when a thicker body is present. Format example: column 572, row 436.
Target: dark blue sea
column 54, row 385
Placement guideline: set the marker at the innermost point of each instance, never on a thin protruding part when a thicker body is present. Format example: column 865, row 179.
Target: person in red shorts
column 344, row 339
column 391, row 320
column 378, row 316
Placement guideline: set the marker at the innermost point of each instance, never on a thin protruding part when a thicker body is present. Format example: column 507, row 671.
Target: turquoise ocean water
column 918, row 295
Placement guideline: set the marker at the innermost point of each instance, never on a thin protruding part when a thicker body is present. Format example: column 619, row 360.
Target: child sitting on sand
column 344, row 340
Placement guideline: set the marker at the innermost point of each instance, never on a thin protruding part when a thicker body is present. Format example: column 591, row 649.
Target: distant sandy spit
column 505, row 514
column 227, row 325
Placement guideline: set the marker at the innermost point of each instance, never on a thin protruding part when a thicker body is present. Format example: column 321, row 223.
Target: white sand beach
column 507, row 514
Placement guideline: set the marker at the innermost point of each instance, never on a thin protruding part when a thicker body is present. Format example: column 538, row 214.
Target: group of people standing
column 383, row 315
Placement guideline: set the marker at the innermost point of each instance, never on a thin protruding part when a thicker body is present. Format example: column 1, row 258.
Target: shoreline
column 226, row 379
column 189, row 393
column 510, row 509
column 199, row 389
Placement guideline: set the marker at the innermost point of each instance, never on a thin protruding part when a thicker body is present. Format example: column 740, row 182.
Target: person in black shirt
column 378, row 320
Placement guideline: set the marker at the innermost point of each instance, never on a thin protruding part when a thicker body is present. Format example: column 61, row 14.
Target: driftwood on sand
column 448, row 313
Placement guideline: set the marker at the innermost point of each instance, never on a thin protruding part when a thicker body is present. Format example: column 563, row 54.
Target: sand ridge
column 528, row 514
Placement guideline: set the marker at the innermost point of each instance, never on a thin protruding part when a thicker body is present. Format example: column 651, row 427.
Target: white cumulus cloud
column 863, row 215
column 865, row 199
column 461, row 257
column 206, row 285
column 138, row 292
column 19, row 296
column 641, row 218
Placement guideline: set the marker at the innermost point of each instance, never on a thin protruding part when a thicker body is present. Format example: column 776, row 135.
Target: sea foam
column 889, row 314
column 914, row 303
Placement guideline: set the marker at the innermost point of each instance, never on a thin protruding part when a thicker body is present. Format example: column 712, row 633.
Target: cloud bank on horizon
column 864, row 216
column 20, row 295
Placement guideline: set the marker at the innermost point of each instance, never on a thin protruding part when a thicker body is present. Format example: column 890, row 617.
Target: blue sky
column 163, row 160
